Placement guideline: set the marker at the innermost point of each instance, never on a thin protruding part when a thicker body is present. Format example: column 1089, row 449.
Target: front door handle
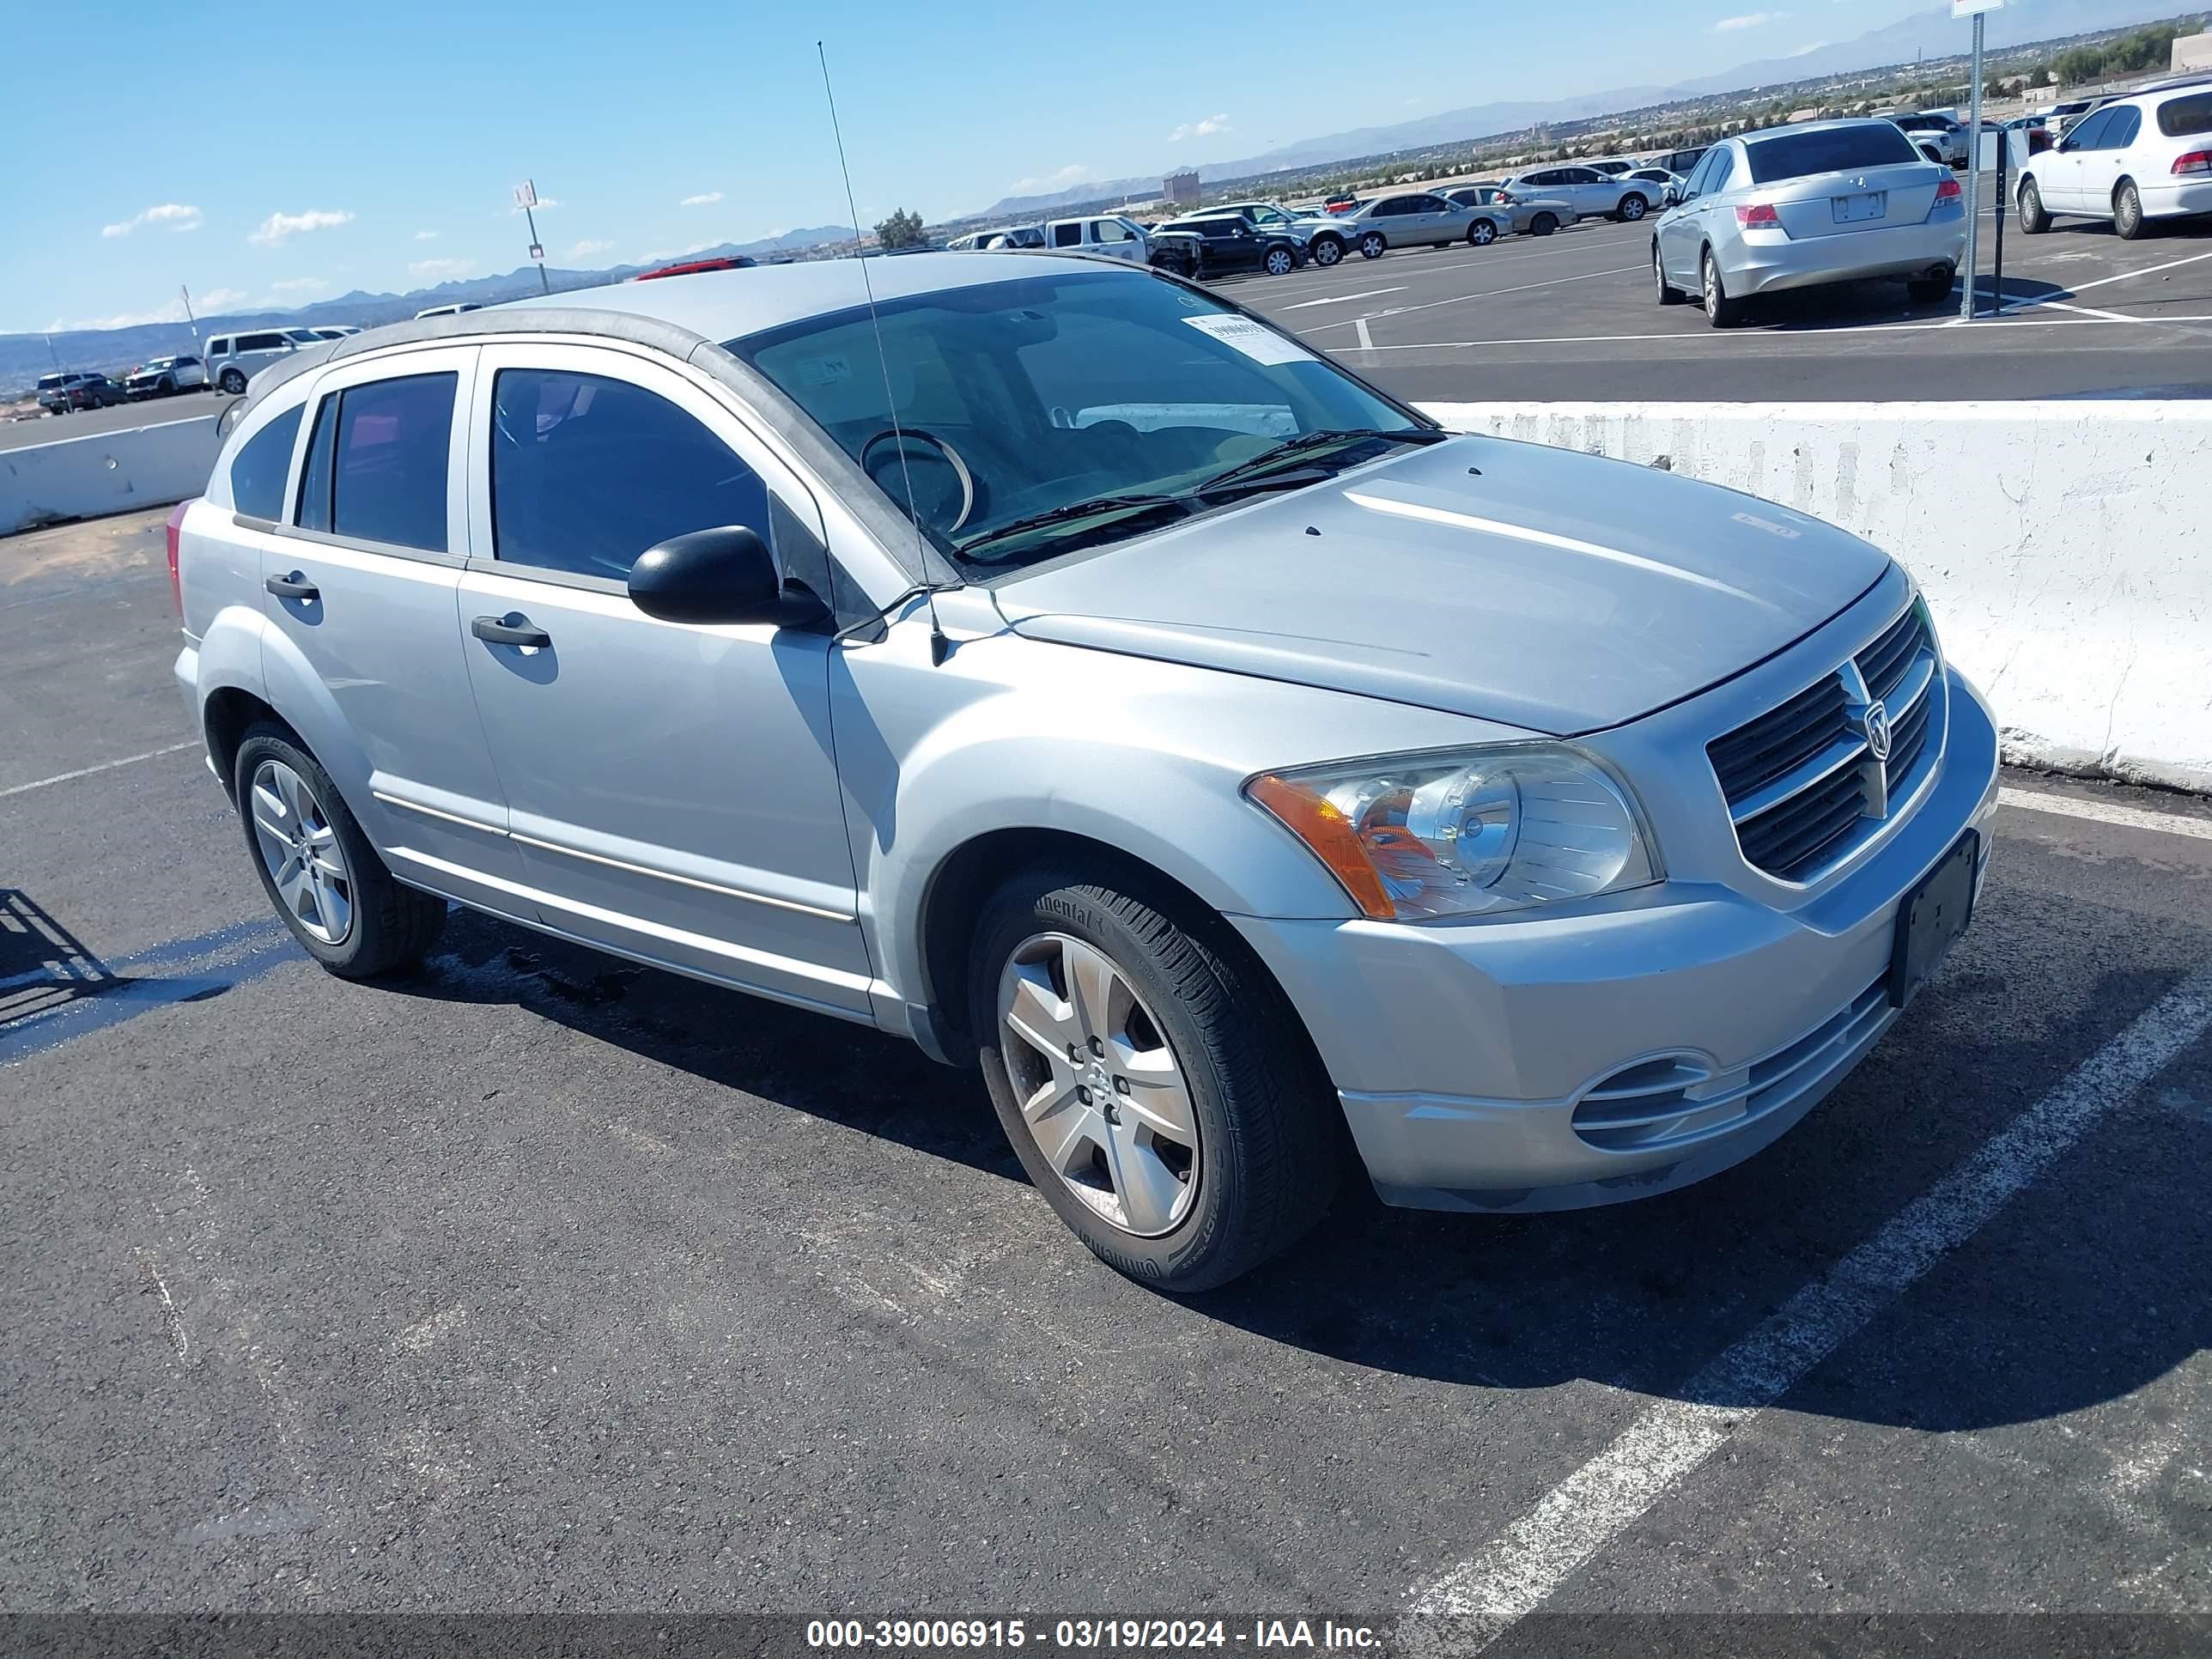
column 293, row 586
column 513, row 629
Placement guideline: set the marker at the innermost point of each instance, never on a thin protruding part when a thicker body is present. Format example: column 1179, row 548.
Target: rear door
column 2104, row 164
column 671, row 787
column 362, row 583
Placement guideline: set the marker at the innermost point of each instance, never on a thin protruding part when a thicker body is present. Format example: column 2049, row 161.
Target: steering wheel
column 945, row 452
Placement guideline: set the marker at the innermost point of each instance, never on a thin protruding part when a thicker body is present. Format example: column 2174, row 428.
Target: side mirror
column 722, row 575
column 1671, row 197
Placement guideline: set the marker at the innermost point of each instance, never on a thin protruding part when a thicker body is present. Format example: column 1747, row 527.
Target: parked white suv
column 1051, row 664
column 235, row 359
column 1109, row 234
column 2135, row 161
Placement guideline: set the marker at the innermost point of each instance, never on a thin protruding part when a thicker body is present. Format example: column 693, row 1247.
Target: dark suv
column 1207, row 245
column 60, row 393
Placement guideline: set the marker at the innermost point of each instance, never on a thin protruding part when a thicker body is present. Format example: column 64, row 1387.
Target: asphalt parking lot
column 117, row 418
column 538, row 1281
column 1573, row 317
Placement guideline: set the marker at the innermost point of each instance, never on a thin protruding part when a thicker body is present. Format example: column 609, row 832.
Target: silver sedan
column 1406, row 219
column 1806, row 206
column 1534, row 216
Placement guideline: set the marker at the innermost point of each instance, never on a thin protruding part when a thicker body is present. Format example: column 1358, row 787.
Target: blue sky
column 376, row 147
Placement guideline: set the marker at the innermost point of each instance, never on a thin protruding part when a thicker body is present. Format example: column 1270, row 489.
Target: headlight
column 1466, row 832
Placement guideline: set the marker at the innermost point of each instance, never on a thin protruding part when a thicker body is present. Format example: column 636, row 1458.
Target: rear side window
column 388, row 465
column 587, row 472
column 2185, row 117
column 262, row 465
column 1836, row 149
column 1067, row 235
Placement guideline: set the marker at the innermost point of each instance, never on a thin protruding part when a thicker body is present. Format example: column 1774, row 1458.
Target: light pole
column 1973, row 8
column 191, row 321
column 526, row 197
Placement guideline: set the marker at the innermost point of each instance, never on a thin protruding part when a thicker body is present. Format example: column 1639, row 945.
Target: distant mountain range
column 1932, row 33
column 24, row 357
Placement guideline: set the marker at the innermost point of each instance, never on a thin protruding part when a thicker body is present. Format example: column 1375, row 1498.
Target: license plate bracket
column 1858, row 208
column 1931, row 918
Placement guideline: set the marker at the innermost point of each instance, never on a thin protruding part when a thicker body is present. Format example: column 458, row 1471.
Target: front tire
column 2033, row 221
column 1543, row 224
column 1667, row 293
column 1280, row 262
column 1481, row 233
column 1371, row 245
column 318, row 867
column 1326, row 252
column 2127, row 211
column 1155, row 1087
column 1633, row 207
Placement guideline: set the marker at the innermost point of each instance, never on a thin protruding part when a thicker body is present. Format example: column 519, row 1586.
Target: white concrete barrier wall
column 2066, row 548
column 110, row 472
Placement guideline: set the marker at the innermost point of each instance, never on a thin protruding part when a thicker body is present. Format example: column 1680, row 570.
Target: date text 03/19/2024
column 1086, row 1635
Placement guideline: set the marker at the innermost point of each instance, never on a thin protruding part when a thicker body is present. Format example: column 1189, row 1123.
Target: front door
column 671, row 787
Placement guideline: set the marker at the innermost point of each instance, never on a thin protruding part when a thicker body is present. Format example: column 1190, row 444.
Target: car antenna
column 940, row 647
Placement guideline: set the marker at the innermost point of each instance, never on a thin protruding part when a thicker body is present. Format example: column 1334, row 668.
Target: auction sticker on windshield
column 1261, row 345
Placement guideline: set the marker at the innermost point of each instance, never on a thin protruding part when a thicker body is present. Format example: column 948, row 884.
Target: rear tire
column 2033, row 221
column 1543, row 224
column 1133, row 985
column 2127, row 212
column 1721, row 311
column 233, row 382
column 320, row 873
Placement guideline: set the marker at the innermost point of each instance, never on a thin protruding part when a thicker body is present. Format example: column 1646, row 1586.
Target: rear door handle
column 293, row 586
column 513, row 629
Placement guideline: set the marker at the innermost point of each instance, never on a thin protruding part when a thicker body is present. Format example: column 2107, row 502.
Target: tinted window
column 220, row 346
column 313, row 509
column 258, row 474
column 2185, row 118
column 1067, row 235
column 1391, row 206
column 1427, row 205
column 1834, row 150
column 188, row 362
column 2088, row 133
column 587, row 472
column 2120, row 132
column 388, row 473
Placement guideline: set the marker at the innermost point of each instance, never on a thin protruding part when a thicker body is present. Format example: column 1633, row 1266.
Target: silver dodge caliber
column 1041, row 660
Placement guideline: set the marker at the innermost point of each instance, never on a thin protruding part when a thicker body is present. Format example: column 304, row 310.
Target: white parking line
column 87, row 771
column 1345, row 299
column 1516, row 1572
column 2080, row 289
column 2106, row 811
column 1461, row 299
column 1983, row 327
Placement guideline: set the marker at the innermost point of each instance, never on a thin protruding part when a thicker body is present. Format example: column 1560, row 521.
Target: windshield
column 49, row 382
column 1015, row 399
column 1830, row 150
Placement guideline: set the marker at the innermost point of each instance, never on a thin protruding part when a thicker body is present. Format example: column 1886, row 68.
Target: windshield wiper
column 1095, row 507
column 1306, row 443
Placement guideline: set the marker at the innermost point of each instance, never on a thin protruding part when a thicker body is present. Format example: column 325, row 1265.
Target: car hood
column 1549, row 590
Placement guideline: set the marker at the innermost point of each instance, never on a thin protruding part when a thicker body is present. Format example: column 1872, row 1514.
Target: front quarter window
column 1011, row 400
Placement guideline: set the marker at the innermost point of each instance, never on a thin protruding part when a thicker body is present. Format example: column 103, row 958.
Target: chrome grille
column 1804, row 785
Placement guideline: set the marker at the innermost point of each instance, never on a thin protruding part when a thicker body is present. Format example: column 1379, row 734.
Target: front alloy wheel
column 1327, row 252
column 1099, row 1084
column 1280, row 262
column 1633, row 208
column 1371, row 245
column 1482, row 232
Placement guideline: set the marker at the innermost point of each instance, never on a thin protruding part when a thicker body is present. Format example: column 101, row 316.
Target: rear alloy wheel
column 1481, row 233
column 1160, row 1096
column 1326, row 252
column 1543, row 224
column 318, row 867
column 1633, row 207
column 1371, row 244
column 1667, row 293
column 2127, row 211
column 1721, row 311
column 2033, row 221
column 1280, row 262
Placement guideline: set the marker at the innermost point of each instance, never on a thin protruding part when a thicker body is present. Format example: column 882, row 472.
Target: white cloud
column 278, row 227
column 300, row 285
column 1750, row 19
column 217, row 298
column 173, row 312
column 426, row 235
column 706, row 199
column 1806, row 51
column 1073, row 172
column 543, row 204
column 439, row 269
column 1205, row 128
column 585, row 249
column 170, row 216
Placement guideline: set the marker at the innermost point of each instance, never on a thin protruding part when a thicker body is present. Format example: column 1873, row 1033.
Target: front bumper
column 1461, row 1052
column 1771, row 267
